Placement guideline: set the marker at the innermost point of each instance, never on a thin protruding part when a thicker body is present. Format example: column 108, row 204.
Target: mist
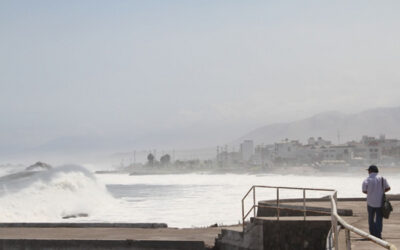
column 89, row 80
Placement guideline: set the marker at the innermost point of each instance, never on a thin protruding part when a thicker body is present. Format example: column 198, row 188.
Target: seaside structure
column 263, row 154
column 317, row 152
column 247, row 150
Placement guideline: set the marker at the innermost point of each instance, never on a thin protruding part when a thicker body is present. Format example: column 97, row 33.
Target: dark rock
column 39, row 166
column 75, row 216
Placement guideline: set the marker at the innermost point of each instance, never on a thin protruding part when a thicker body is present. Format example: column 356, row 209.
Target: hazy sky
column 199, row 72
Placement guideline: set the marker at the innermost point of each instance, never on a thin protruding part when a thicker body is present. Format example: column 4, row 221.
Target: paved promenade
column 391, row 226
column 207, row 235
column 391, row 230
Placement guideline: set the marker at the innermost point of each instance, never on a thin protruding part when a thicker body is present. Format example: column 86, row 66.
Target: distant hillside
column 350, row 127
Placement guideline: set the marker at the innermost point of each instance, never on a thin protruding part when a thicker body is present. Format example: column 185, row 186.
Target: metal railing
column 335, row 218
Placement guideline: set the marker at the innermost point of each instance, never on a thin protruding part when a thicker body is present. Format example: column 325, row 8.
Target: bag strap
column 383, row 188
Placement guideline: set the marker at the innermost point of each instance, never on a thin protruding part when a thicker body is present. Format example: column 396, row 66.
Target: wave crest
column 48, row 196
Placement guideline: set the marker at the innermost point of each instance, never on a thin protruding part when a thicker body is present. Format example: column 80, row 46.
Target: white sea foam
column 200, row 200
column 48, row 196
column 179, row 200
column 9, row 169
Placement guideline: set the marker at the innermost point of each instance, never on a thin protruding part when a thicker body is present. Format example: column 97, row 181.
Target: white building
column 247, row 150
column 263, row 154
column 288, row 150
column 340, row 152
column 371, row 148
column 373, row 151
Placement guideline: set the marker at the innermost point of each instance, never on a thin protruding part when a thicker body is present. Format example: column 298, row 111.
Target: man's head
column 373, row 169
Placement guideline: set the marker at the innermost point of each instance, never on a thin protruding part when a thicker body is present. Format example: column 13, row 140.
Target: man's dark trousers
column 375, row 221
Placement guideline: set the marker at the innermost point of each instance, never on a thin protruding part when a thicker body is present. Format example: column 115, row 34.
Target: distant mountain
column 329, row 125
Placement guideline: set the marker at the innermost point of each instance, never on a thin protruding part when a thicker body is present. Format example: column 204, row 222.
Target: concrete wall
column 251, row 239
column 99, row 245
column 310, row 235
column 264, row 234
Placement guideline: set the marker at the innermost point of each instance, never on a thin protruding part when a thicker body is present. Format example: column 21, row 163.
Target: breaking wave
column 48, row 196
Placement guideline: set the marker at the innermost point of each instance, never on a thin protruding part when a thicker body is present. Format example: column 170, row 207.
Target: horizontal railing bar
column 294, row 209
column 296, row 188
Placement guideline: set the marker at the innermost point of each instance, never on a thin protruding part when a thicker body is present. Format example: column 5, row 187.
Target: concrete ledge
column 86, row 225
column 288, row 210
column 99, row 245
column 270, row 233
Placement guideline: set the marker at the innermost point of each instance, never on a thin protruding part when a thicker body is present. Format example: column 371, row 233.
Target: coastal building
column 339, row 152
column 247, row 150
column 317, row 152
column 374, row 149
column 389, row 147
column 227, row 158
column 287, row 151
column 263, row 154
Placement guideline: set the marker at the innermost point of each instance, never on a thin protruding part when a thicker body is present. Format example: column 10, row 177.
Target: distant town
column 316, row 153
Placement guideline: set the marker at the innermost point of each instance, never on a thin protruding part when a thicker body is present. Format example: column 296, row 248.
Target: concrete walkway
column 391, row 230
column 207, row 235
column 391, row 226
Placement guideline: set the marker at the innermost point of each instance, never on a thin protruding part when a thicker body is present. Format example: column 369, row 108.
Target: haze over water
column 89, row 76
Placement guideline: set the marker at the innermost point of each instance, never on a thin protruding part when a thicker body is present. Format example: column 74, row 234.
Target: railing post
column 335, row 197
column 304, row 203
column 277, row 203
column 335, row 225
column 348, row 242
column 254, row 200
column 243, row 214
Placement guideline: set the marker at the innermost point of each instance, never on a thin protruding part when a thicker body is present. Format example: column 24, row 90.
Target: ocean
column 180, row 200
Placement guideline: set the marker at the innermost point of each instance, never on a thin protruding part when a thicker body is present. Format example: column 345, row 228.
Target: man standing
column 375, row 186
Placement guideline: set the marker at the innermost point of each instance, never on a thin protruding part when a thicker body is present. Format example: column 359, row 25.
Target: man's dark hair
column 373, row 169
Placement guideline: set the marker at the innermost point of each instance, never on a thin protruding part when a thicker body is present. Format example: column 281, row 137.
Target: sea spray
column 48, row 196
column 179, row 200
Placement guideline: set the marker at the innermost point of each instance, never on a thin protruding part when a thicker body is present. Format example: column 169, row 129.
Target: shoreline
column 294, row 170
